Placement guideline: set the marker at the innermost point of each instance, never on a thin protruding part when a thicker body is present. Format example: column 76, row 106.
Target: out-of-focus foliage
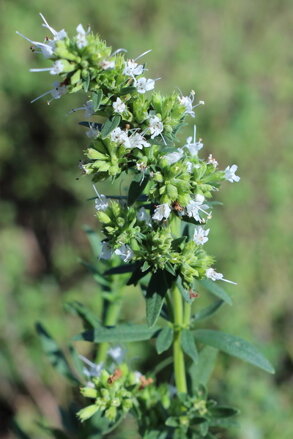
column 235, row 54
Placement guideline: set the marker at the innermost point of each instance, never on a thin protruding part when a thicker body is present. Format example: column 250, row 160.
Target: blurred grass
column 236, row 55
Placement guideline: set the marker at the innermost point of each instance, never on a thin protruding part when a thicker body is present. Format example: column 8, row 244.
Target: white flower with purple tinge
column 46, row 49
column 174, row 157
column 116, row 353
column 143, row 84
column 125, row 253
column 192, row 145
column 187, row 102
column 101, row 202
column 121, row 137
column 119, row 106
column 106, row 251
column 230, row 173
column 162, row 211
column 88, row 108
column 131, row 68
column 57, row 91
column 107, row 64
column 156, row 126
column 56, row 68
column 212, row 161
column 213, row 275
column 200, row 235
column 93, row 369
column 92, row 132
column 143, row 215
column 138, row 141
column 196, row 206
column 81, row 37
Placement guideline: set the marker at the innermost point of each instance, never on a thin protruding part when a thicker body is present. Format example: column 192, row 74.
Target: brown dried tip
column 193, row 294
column 176, row 206
column 144, row 382
column 116, row 375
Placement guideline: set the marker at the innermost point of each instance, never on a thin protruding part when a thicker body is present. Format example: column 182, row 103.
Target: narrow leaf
column 208, row 311
column 97, row 97
column 89, row 319
column 223, row 412
column 201, row 371
column 234, row 346
column 164, row 339
column 215, row 289
column 118, row 334
column 110, row 125
column 125, row 268
column 155, row 295
column 54, row 354
column 136, row 188
column 188, row 344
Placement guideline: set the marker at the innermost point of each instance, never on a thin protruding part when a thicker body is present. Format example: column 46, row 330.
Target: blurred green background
column 235, row 55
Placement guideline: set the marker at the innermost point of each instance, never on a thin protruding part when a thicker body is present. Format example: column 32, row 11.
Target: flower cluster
column 136, row 133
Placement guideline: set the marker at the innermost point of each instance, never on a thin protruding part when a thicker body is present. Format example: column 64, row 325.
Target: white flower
column 57, row 35
column 119, row 106
column 125, row 253
column 57, row 91
column 200, row 235
column 106, row 251
column 143, row 215
column 107, row 64
column 56, row 68
column 47, row 48
column 192, row 145
column 189, row 167
column 101, row 202
column 120, row 136
column 143, row 84
column 174, row 157
column 88, row 108
column 212, row 161
column 116, row 353
column 92, row 132
column 138, row 141
column 93, row 370
column 162, row 211
column 213, row 275
column 81, row 37
column 155, row 126
column 187, row 102
column 137, row 376
column 196, row 206
column 131, row 68
column 230, row 173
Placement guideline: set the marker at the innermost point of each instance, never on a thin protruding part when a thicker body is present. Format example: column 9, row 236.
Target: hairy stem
column 178, row 355
column 110, row 320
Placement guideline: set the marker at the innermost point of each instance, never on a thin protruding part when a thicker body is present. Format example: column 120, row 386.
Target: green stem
column 178, row 355
column 187, row 314
column 111, row 318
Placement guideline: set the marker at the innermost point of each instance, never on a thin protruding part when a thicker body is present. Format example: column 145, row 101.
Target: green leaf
column 94, row 240
column 126, row 90
column 188, row 344
column 136, row 188
column 118, row 334
column 215, row 289
column 110, row 125
column 223, row 412
column 89, row 319
column 208, row 311
column 125, row 268
column 97, row 97
column 17, row 430
column 201, row 371
column 155, row 295
column 54, row 354
column 164, row 339
column 99, row 278
column 137, row 275
column 234, row 346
